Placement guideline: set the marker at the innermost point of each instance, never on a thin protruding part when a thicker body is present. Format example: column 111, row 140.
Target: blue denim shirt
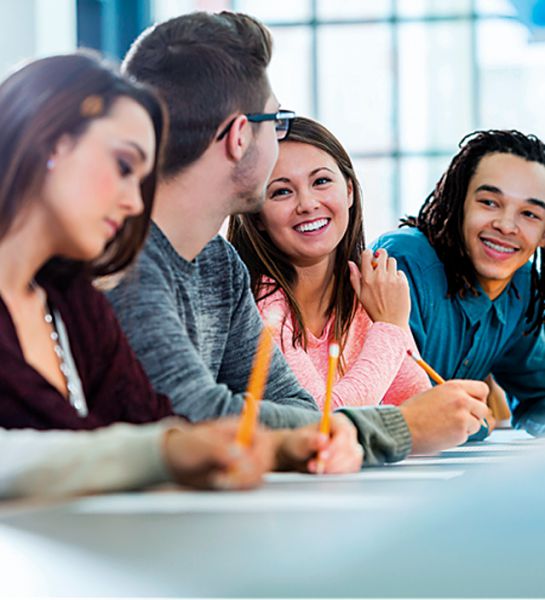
column 473, row 336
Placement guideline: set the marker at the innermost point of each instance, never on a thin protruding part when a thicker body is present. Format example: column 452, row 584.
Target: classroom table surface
column 465, row 523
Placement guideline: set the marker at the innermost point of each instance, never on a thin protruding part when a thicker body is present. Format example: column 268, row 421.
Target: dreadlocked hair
column 265, row 260
column 441, row 217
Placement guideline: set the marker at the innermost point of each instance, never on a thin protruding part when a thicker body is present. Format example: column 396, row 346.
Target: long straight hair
column 264, row 259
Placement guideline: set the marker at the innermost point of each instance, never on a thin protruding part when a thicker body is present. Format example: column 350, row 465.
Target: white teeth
column 312, row 226
column 498, row 248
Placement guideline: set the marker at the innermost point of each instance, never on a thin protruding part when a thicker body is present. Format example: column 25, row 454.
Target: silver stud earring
column 50, row 164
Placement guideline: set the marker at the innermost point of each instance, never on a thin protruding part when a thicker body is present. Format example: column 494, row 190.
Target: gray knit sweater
column 194, row 326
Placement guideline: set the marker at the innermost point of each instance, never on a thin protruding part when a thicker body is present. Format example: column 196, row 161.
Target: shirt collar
column 476, row 307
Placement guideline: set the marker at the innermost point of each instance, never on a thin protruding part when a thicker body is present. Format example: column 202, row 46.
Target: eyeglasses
column 282, row 122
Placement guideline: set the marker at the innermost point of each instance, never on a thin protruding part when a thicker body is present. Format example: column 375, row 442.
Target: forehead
column 127, row 121
column 298, row 157
column 514, row 176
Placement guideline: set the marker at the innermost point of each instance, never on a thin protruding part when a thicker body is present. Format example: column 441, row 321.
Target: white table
column 465, row 523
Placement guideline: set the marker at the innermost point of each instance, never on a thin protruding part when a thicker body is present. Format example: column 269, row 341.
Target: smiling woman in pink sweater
column 305, row 253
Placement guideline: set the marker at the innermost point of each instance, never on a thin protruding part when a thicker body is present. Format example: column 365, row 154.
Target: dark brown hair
column 47, row 99
column 205, row 66
column 442, row 214
column 264, row 259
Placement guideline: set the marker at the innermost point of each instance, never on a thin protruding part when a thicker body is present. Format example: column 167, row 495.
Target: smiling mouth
column 498, row 247
column 312, row 225
column 114, row 226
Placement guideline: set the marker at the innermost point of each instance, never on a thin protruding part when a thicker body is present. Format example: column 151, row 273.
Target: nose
column 306, row 202
column 506, row 222
column 132, row 201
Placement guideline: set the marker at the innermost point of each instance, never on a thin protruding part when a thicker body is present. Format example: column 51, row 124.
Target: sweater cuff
column 382, row 432
column 396, row 425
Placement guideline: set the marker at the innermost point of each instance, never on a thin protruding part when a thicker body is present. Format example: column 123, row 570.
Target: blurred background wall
column 400, row 82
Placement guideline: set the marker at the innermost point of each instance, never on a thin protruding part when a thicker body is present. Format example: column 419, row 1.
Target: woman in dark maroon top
column 78, row 147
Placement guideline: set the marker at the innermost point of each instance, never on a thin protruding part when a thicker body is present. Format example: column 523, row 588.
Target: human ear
column 238, row 138
column 350, row 192
column 63, row 146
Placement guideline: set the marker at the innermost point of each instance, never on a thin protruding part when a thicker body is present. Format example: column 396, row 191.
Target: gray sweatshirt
column 195, row 325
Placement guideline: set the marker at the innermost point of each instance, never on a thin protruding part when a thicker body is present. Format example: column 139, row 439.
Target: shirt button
column 466, row 362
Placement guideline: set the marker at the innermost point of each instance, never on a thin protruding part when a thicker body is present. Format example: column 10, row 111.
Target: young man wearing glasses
column 187, row 307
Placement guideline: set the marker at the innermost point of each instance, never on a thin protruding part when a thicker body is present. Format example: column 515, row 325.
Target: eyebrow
column 139, row 150
column 288, row 180
column 495, row 190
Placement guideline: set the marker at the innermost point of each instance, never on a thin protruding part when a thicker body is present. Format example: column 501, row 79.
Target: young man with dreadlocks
column 473, row 258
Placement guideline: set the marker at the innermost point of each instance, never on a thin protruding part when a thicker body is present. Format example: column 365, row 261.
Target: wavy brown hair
column 441, row 217
column 264, row 259
column 56, row 96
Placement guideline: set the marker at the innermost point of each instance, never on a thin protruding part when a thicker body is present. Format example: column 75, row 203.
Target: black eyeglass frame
column 280, row 117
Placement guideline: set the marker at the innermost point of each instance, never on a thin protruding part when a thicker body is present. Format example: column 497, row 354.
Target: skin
column 75, row 214
column 206, row 455
column 504, row 206
column 307, row 188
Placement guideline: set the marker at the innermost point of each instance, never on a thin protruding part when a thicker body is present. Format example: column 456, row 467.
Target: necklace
column 61, row 346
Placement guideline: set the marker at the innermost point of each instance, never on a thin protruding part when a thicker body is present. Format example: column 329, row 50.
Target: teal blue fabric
column 473, row 336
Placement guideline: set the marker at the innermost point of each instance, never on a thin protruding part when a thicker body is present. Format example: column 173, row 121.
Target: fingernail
column 324, row 438
column 376, row 254
column 235, row 451
column 222, row 482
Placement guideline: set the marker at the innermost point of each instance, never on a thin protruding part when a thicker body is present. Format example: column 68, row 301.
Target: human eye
column 280, row 192
column 487, row 202
column 531, row 215
column 125, row 167
column 322, row 180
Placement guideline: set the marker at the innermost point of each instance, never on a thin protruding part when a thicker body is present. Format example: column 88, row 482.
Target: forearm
column 59, row 463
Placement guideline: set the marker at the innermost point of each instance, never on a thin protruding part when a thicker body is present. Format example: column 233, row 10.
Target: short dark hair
column 205, row 66
column 264, row 259
column 442, row 214
column 59, row 95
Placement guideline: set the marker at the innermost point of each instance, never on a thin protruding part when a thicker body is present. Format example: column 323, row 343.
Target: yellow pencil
column 434, row 375
column 256, row 387
column 325, row 423
column 429, row 370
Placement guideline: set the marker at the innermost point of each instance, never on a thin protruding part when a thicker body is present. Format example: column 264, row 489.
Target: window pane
column 512, row 72
column 435, row 85
column 277, row 11
column 355, row 85
column 290, row 79
column 375, row 176
column 418, row 177
column 424, row 8
column 356, row 9
column 495, row 7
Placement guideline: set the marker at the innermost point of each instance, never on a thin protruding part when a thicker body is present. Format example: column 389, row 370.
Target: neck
column 314, row 288
column 191, row 207
column 23, row 251
column 494, row 288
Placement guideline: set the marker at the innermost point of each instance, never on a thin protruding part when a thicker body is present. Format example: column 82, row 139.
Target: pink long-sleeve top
column 377, row 367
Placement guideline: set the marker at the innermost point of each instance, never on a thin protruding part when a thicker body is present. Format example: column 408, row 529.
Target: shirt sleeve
column 158, row 333
column 417, row 287
column 371, row 375
column 382, row 432
column 117, row 372
column 520, row 372
column 59, row 463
